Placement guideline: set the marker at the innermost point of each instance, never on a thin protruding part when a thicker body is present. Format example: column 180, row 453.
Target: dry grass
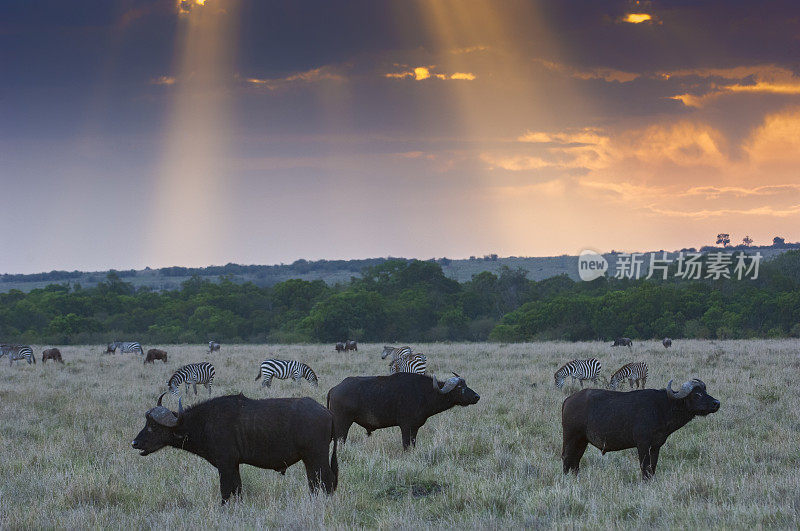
column 66, row 461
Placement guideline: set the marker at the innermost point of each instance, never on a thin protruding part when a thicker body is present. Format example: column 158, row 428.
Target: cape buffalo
column 643, row 419
column 403, row 399
column 350, row 345
column 231, row 430
column 155, row 354
column 52, row 354
column 667, row 342
column 623, row 342
column 339, row 346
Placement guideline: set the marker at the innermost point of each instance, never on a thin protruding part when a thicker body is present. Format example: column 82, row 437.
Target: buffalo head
column 159, row 429
column 694, row 397
column 456, row 387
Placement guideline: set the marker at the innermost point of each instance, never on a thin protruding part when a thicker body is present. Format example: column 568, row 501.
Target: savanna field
column 66, row 459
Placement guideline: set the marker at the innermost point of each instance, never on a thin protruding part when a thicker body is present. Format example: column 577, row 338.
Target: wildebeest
column 643, row 419
column 213, row 346
column 155, row 354
column 667, row 342
column 403, row 399
column 52, row 354
column 350, row 345
column 339, row 346
column 623, row 342
column 228, row 431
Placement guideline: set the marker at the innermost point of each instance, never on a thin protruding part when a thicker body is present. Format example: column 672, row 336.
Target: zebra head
column 560, row 376
column 386, row 351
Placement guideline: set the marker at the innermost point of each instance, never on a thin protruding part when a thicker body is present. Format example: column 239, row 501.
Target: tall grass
column 66, row 460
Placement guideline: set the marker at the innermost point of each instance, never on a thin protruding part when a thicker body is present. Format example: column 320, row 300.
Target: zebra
column 633, row 372
column 396, row 352
column 580, row 369
column 194, row 373
column 17, row 352
column 125, row 347
column 283, row 369
column 414, row 363
column 212, row 346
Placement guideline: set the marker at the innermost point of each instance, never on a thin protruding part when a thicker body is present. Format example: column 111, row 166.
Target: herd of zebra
column 634, row 373
column 403, row 359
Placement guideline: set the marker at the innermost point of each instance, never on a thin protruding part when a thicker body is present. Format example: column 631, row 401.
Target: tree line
column 410, row 301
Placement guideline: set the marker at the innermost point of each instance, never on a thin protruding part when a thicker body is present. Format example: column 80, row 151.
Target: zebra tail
column 259, row 375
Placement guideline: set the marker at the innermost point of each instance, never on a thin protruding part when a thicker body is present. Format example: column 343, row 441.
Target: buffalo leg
column 414, row 436
column 230, row 482
column 648, row 457
column 572, row 452
column 342, row 428
column 406, row 431
column 318, row 472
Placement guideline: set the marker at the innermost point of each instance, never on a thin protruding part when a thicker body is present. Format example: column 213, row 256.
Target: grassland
column 66, row 461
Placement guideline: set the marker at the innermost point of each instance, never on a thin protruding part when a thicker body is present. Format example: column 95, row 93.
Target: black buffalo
column 231, row 430
column 403, row 399
column 155, row 354
column 623, row 342
column 52, row 354
column 667, row 342
column 339, row 346
column 350, row 345
column 612, row 420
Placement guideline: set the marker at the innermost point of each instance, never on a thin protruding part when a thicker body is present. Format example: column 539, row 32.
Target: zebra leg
column 230, row 482
column 194, row 386
column 267, row 381
column 630, row 382
column 208, row 386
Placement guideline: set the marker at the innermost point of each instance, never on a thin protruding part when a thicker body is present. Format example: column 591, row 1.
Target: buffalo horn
column 160, row 398
column 684, row 391
column 449, row 385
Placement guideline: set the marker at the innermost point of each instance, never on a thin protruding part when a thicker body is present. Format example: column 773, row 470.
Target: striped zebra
column 415, row 363
column 194, row 373
column 633, row 372
column 17, row 352
column 395, row 352
column 125, row 347
column 580, row 370
column 283, row 369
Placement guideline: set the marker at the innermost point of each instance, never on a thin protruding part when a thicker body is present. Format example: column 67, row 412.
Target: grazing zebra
column 283, row 369
column 633, row 372
column 125, row 347
column 580, row 369
column 17, row 352
column 213, row 346
column 194, row 373
column 415, row 363
column 667, row 342
column 396, row 352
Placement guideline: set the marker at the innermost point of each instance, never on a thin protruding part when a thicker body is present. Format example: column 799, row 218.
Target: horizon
column 178, row 133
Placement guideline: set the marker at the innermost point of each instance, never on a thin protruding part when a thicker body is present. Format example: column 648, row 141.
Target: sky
column 156, row 133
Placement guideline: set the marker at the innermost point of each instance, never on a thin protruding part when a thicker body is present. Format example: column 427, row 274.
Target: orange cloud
column 606, row 74
column 314, row 75
column 637, row 18
column 759, row 79
column 163, row 80
column 425, row 72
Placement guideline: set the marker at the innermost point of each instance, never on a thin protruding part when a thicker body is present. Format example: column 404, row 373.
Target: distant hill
column 330, row 271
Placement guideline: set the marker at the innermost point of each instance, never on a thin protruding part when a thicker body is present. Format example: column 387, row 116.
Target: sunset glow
column 250, row 132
